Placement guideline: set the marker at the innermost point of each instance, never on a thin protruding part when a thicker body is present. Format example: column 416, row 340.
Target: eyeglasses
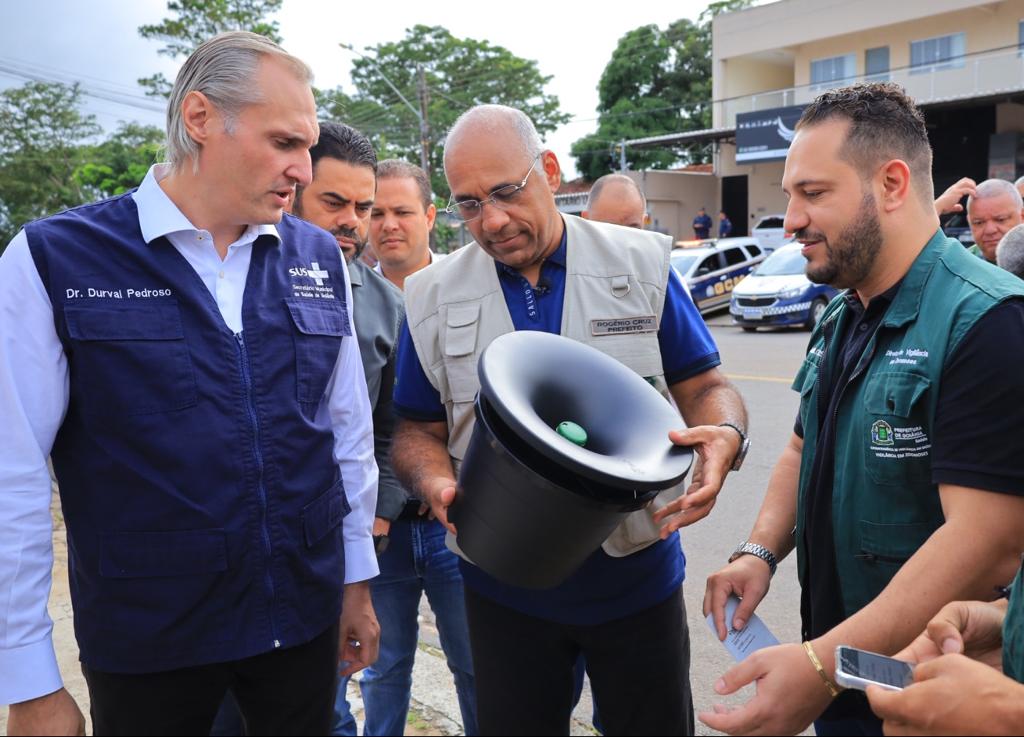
column 502, row 198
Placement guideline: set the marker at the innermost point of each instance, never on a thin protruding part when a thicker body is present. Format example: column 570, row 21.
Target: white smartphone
column 860, row 669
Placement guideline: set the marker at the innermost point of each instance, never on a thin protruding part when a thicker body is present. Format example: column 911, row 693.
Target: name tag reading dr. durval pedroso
column 624, row 325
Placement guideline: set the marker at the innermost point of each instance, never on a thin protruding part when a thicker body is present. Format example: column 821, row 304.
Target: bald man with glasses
column 532, row 268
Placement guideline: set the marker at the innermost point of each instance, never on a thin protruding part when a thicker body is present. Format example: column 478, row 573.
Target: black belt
column 411, row 511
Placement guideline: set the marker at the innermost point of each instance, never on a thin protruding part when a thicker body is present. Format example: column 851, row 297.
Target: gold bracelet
column 832, row 689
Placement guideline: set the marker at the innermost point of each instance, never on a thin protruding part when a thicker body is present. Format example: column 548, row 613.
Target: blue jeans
column 416, row 562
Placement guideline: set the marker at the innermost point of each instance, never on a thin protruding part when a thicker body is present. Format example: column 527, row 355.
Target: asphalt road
column 761, row 365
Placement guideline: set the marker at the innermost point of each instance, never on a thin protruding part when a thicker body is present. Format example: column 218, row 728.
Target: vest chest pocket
column 129, row 359
column 462, row 325
column 897, row 429
column 319, row 331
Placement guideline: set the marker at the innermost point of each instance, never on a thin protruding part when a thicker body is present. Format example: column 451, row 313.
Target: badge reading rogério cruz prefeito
column 624, row 325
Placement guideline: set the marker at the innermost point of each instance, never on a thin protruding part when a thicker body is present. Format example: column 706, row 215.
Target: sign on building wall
column 766, row 134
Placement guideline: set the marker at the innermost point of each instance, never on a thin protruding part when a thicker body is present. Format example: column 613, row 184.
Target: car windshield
column 783, row 263
column 769, row 223
column 683, row 264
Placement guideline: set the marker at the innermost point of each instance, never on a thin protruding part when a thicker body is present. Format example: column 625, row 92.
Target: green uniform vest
column 1013, row 632
column 884, row 504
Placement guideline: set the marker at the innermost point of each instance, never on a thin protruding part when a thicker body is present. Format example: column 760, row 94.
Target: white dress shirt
column 34, row 394
column 434, row 257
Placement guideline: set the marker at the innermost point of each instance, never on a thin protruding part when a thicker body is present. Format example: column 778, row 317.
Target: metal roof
column 701, row 136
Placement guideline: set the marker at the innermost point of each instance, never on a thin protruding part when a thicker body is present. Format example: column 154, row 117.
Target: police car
column 711, row 269
column 779, row 293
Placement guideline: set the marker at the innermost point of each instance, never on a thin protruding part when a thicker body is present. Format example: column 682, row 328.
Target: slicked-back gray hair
column 492, row 119
column 1010, row 251
column 995, row 188
column 224, row 69
column 602, row 182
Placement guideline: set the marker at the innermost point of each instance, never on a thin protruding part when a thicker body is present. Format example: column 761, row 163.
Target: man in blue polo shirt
column 625, row 614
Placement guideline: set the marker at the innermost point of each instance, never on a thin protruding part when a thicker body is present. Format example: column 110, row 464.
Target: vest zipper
column 261, row 492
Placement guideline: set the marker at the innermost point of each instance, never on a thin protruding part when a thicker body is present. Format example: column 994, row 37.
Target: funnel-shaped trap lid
column 583, row 410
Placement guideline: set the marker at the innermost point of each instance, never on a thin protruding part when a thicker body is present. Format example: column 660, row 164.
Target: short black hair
column 885, row 124
column 344, row 143
column 401, row 169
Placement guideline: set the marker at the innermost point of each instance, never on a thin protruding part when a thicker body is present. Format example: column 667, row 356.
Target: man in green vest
column 900, row 488
column 968, row 675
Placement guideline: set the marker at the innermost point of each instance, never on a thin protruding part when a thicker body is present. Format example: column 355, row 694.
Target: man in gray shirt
column 410, row 546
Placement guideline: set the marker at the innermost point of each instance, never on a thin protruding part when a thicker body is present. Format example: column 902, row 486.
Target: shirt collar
column 380, row 271
column 878, row 304
column 558, row 258
column 159, row 216
column 355, row 272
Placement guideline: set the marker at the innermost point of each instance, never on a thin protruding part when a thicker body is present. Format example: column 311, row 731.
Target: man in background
column 1010, row 252
column 724, row 225
column 402, row 220
column 616, row 199
column 702, row 225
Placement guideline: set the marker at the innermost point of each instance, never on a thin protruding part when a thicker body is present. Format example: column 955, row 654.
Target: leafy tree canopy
column 458, row 73
column 121, row 162
column 42, row 132
column 195, row 21
column 656, row 82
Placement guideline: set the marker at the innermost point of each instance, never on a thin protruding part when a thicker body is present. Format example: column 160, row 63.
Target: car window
column 783, row 263
column 754, row 251
column 734, row 256
column 708, row 265
column 769, row 223
column 682, row 264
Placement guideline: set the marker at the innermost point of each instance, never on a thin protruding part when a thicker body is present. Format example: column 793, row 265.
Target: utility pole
column 623, row 165
column 421, row 113
column 421, row 79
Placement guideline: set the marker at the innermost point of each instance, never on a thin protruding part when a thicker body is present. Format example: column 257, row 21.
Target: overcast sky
column 97, row 42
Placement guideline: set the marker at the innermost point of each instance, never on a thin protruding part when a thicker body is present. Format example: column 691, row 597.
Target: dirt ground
column 423, row 720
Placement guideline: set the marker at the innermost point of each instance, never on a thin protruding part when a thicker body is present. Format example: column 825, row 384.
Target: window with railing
column 936, row 54
column 876, row 64
column 834, row 69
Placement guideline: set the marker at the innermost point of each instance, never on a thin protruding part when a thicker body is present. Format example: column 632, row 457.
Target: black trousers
column 639, row 670
column 284, row 692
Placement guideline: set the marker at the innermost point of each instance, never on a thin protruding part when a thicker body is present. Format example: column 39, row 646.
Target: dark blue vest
column 197, row 479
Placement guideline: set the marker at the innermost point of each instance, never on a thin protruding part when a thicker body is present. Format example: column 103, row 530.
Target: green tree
column 458, row 73
column 121, row 162
column 657, row 82
column 42, row 134
column 196, row 21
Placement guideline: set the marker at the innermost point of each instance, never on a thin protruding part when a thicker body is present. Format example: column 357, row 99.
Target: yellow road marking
column 746, row 377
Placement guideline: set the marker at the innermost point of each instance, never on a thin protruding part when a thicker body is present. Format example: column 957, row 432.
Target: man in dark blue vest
column 188, row 358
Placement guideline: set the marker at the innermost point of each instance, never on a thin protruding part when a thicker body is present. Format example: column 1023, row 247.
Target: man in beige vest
column 532, row 268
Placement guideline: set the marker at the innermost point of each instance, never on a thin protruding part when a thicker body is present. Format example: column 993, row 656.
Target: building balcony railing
column 974, row 75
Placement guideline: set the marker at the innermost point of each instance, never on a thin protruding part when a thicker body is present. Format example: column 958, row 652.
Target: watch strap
column 758, row 551
column 741, row 454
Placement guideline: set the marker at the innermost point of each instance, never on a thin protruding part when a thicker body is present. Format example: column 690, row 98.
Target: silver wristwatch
column 758, row 551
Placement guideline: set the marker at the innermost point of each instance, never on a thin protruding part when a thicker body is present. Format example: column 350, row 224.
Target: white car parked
column 770, row 232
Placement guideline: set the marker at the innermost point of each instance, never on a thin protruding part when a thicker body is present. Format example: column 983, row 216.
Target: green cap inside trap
column 573, row 433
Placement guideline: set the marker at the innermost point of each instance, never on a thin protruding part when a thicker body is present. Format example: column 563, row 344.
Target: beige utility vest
column 456, row 308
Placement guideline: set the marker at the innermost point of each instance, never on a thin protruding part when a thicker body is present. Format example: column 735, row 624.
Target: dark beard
column 853, row 254
column 342, row 231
